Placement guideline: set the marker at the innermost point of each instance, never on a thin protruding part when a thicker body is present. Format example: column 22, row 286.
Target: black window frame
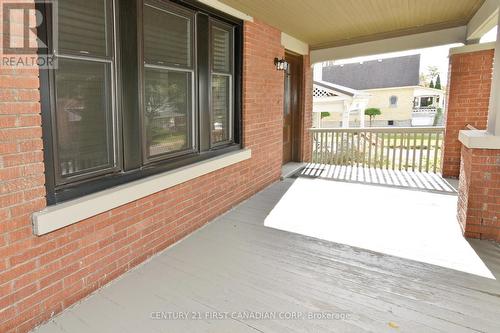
column 128, row 100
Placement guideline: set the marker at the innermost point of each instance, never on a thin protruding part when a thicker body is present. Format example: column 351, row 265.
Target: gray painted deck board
column 237, row 264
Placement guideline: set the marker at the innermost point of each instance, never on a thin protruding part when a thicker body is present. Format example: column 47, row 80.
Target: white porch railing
column 395, row 148
column 430, row 109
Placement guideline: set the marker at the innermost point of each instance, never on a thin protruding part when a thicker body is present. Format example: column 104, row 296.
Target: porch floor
column 239, row 265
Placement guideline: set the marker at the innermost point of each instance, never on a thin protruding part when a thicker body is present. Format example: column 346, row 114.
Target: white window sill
column 67, row 213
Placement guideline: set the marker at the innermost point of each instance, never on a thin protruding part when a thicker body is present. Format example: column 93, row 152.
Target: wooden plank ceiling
column 329, row 23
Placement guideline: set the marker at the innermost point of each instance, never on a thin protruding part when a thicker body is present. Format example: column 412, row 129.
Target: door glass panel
column 83, row 116
column 168, row 109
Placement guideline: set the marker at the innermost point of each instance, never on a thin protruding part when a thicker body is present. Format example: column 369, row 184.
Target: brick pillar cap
column 479, row 139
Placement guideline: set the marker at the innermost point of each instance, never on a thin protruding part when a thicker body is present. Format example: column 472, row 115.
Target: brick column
column 469, row 84
column 479, row 193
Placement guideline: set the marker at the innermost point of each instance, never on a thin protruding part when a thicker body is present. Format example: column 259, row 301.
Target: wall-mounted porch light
column 281, row 64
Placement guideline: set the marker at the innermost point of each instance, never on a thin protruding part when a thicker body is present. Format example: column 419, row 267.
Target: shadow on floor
column 224, row 276
column 489, row 252
column 427, row 181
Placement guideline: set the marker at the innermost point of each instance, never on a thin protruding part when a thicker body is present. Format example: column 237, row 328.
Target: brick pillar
column 469, row 84
column 479, row 193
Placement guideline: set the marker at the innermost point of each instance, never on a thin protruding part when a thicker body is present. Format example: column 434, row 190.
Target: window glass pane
column 221, row 50
column 83, row 26
column 167, row 38
column 167, row 111
column 83, row 116
column 220, row 108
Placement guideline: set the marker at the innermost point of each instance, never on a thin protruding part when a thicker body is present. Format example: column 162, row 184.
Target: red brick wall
column 469, row 79
column 479, row 193
column 43, row 275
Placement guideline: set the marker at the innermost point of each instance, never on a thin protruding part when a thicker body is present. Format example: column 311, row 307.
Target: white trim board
column 73, row 211
column 395, row 44
column 472, row 48
column 227, row 9
column 483, row 20
column 293, row 44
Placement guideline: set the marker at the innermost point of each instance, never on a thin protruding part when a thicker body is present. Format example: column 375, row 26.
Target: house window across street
column 393, row 101
column 154, row 85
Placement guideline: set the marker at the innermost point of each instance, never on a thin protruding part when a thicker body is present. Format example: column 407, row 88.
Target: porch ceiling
column 326, row 23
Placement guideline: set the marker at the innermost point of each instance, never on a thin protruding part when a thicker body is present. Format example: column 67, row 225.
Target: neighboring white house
column 391, row 85
column 426, row 102
column 341, row 103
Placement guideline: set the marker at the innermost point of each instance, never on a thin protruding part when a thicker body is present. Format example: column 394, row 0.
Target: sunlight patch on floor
column 411, row 224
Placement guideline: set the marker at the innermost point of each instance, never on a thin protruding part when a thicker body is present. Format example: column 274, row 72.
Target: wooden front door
column 291, row 108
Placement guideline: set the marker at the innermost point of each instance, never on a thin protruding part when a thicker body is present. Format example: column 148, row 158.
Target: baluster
column 369, row 141
column 436, row 151
column 394, row 144
column 381, row 152
column 414, row 151
column 388, row 150
column 428, row 152
column 357, row 149
column 351, row 157
column 337, row 147
column 312, row 147
column 342, row 148
column 407, row 144
column 364, row 148
column 330, row 160
column 421, row 152
column 322, row 147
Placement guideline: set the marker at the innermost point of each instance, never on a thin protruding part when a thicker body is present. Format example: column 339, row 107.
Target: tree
column 438, row 83
column 423, row 79
column 433, row 71
column 325, row 114
column 431, row 85
column 372, row 112
column 438, row 116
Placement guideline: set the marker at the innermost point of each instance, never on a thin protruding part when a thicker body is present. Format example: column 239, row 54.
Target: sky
column 432, row 56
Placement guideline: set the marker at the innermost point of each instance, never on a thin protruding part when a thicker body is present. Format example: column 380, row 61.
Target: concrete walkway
column 237, row 275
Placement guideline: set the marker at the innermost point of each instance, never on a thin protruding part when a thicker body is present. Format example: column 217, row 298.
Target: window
column 168, row 82
column 152, row 86
column 393, row 101
column 426, row 101
column 84, row 112
column 390, row 122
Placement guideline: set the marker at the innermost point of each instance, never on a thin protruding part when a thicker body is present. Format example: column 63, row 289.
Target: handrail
column 433, row 129
column 402, row 148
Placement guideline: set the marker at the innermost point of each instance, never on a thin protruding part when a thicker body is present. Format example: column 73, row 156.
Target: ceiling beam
column 396, row 44
column 483, row 21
